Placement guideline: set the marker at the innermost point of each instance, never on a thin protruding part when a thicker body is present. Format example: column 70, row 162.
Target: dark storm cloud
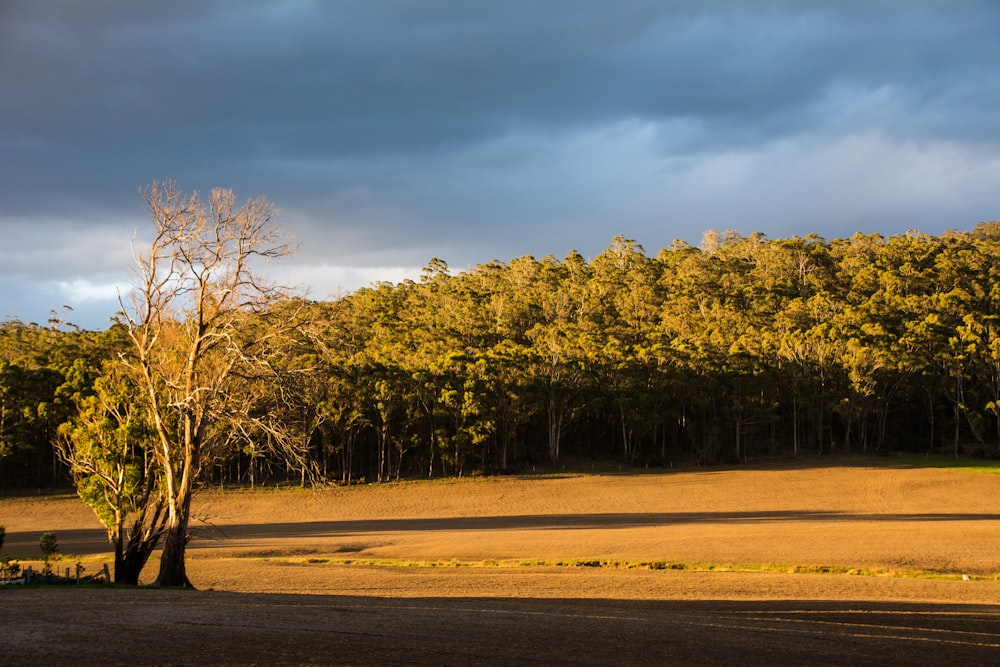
column 302, row 79
column 390, row 131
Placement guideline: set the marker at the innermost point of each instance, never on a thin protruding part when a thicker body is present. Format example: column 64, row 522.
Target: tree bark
column 173, row 572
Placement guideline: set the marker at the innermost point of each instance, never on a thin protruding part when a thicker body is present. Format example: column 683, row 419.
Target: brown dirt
column 283, row 593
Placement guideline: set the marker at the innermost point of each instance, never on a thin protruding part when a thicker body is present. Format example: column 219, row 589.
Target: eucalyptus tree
column 443, row 328
column 108, row 450
column 561, row 343
column 349, row 381
column 512, row 308
column 276, row 404
column 192, row 292
column 395, row 414
column 983, row 324
column 625, row 287
column 471, row 320
column 30, row 415
column 13, row 401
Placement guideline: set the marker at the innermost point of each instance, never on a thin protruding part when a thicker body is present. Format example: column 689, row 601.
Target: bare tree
column 273, row 414
column 187, row 322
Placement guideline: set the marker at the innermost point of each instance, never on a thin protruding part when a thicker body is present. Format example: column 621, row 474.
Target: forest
column 739, row 349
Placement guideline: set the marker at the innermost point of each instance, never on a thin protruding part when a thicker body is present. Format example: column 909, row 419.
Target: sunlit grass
column 950, row 463
column 628, row 564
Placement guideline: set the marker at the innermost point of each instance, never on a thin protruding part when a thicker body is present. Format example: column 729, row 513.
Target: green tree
column 108, row 449
column 561, row 347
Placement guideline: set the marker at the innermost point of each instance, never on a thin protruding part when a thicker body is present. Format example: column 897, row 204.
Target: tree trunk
column 128, row 569
column 120, row 562
column 555, row 431
column 795, row 420
column 958, row 412
column 173, row 571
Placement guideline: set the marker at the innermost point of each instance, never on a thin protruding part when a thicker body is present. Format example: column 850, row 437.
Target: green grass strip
column 619, row 564
column 945, row 462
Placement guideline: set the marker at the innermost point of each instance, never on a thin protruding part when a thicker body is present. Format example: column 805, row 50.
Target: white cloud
column 539, row 192
column 867, row 182
column 325, row 281
column 82, row 290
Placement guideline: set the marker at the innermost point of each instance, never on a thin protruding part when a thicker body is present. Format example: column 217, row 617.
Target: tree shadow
column 601, row 521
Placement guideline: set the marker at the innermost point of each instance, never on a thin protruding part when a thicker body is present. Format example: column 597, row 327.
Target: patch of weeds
column 9, row 569
column 949, row 463
column 614, row 564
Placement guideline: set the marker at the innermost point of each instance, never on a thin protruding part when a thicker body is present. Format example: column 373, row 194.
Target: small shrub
column 48, row 544
column 9, row 569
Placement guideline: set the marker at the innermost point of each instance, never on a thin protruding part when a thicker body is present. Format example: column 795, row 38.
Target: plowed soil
column 792, row 564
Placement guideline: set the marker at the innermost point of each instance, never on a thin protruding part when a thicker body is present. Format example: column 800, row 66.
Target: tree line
column 745, row 347
column 741, row 348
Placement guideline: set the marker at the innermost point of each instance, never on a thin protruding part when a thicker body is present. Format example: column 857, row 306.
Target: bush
column 9, row 569
column 48, row 544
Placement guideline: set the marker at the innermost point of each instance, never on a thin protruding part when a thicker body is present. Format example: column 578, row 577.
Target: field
column 808, row 563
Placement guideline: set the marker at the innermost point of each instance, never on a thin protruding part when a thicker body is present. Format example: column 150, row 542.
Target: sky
column 390, row 132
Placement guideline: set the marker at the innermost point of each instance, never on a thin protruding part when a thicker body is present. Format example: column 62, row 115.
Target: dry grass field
column 812, row 563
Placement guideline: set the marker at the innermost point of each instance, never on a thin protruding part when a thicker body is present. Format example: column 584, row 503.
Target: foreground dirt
column 345, row 576
column 54, row 627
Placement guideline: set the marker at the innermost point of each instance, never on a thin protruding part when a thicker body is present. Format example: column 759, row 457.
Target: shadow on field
column 87, row 541
column 563, row 521
column 78, row 541
column 59, row 626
